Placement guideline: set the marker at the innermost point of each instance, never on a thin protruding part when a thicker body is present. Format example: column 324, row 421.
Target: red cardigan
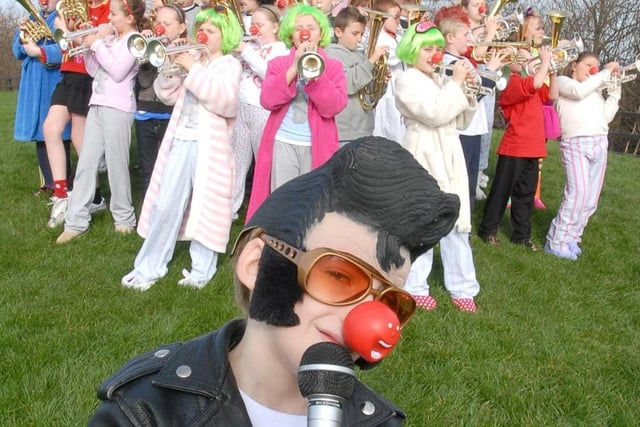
column 521, row 105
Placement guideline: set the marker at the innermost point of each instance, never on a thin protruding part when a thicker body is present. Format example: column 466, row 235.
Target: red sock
column 60, row 188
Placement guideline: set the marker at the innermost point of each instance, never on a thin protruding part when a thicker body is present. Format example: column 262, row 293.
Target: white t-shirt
column 261, row 416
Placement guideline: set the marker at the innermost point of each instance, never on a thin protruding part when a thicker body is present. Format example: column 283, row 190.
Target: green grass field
column 555, row 342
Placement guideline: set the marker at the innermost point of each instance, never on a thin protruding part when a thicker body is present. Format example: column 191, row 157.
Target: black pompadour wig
column 374, row 182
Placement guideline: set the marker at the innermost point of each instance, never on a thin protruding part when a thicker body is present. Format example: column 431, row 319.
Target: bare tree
column 10, row 72
column 610, row 28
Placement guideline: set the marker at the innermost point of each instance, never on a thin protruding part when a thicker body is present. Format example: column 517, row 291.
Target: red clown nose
column 281, row 4
column 482, row 9
column 253, row 30
column 201, row 37
column 372, row 330
column 159, row 30
column 593, row 70
column 437, row 58
column 305, row 35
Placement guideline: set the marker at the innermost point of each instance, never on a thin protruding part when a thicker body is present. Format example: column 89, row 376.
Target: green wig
column 226, row 21
column 288, row 24
column 409, row 47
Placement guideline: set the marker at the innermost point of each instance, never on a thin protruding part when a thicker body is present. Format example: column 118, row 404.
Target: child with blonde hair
column 455, row 26
column 152, row 116
column 388, row 120
column 252, row 117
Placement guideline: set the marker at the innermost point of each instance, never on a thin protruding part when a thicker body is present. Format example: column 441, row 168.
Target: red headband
column 126, row 5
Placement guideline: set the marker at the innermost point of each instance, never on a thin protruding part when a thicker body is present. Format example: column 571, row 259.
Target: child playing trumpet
column 107, row 133
column 432, row 115
column 189, row 196
column 301, row 131
column 521, row 147
column 584, row 118
column 152, row 116
column 252, row 117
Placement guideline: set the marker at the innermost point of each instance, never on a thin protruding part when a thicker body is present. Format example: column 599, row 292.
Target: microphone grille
column 334, row 377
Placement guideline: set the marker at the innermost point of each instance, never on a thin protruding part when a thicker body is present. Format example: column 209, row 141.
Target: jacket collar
column 202, row 365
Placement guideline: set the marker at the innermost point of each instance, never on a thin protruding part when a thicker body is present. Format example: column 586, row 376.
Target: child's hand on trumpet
column 461, row 71
column 185, row 60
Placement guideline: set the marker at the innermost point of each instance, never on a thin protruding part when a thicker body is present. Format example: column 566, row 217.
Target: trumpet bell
column 137, row 45
column 310, row 65
column 157, row 53
column 64, row 39
column 61, row 39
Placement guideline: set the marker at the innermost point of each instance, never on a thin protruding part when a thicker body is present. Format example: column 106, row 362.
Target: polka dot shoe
column 426, row 302
column 465, row 304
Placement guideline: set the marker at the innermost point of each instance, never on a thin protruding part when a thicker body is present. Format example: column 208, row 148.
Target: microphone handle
column 324, row 410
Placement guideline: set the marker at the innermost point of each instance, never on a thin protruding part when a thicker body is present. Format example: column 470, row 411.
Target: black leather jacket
column 192, row 384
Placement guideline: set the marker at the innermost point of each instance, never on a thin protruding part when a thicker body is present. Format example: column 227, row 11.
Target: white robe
column 433, row 114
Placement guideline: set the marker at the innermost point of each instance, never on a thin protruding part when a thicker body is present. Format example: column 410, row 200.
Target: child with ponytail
column 584, row 119
column 107, row 132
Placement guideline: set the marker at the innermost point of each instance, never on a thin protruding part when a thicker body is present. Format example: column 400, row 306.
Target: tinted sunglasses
column 337, row 278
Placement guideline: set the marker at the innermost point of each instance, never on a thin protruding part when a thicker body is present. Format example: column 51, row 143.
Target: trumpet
column 628, row 73
column 138, row 45
column 65, row 40
column 36, row 29
column 560, row 57
column 159, row 54
column 506, row 26
column 495, row 76
column 310, row 63
column 512, row 56
column 369, row 95
column 473, row 86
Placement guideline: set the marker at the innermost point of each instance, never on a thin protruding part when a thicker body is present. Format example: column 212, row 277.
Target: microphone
column 326, row 378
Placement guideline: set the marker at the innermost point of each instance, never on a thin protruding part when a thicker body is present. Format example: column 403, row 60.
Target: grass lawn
column 555, row 342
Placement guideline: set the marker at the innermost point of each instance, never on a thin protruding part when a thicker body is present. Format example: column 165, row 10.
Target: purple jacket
column 327, row 96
